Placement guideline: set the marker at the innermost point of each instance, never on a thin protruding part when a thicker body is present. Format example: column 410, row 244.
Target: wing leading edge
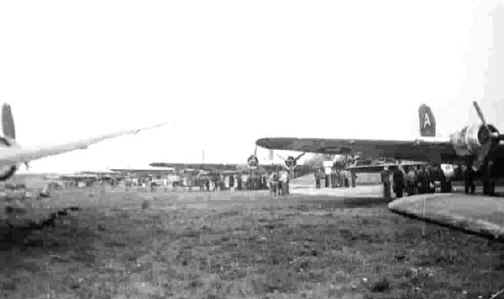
column 16, row 154
column 424, row 149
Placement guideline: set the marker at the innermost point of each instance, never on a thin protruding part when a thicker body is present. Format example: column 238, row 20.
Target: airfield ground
column 242, row 245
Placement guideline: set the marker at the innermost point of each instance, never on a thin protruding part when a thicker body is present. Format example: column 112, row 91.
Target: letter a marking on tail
column 427, row 121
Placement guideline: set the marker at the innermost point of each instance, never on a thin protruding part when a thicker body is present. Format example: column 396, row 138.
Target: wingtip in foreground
column 481, row 215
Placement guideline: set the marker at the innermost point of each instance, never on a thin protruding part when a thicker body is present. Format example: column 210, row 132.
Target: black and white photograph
column 252, row 149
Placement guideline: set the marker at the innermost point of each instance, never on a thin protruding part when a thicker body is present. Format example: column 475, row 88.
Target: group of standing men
column 232, row 182
column 336, row 178
column 418, row 179
column 279, row 183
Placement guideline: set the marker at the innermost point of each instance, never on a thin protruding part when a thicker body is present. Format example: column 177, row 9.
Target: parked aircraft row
column 478, row 146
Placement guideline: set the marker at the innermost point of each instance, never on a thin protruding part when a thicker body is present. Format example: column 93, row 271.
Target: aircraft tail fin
column 8, row 122
column 427, row 121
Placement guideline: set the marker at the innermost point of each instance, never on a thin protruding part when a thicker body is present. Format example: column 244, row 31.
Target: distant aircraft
column 289, row 163
column 478, row 146
column 12, row 154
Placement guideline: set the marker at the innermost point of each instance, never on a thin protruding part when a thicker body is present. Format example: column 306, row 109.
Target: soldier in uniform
column 273, row 183
column 316, row 174
column 239, row 182
column 469, row 180
column 333, row 178
column 385, row 178
column 284, row 182
column 431, row 176
column 420, row 180
column 264, row 182
column 398, row 177
column 232, row 181
column 411, row 178
column 354, row 178
column 346, row 180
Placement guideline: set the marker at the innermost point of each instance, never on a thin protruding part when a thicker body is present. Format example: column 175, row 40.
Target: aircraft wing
column 202, row 166
column 426, row 149
column 232, row 168
column 15, row 154
column 483, row 215
column 218, row 167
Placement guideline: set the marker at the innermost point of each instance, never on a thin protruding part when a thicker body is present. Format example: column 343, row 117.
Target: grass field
column 242, row 245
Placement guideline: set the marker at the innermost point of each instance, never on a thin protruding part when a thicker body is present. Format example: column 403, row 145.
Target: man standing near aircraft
column 469, row 180
column 316, row 174
column 398, row 177
column 284, row 182
column 273, row 184
column 385, row 179
column 333, row 177
column 354, row 178
column 411, row 178
column 420, row 180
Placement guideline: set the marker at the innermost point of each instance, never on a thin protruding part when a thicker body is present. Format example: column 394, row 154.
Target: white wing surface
column 15, row 154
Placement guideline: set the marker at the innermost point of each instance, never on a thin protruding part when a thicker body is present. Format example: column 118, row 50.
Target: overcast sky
column 229, row 72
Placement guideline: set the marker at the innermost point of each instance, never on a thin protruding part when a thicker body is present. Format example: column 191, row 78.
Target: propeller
column 491, row 141
column 252, row 160
column 291, row 161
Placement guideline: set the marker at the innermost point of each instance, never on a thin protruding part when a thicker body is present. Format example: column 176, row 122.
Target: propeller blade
column 299, row 156
column 480, row 114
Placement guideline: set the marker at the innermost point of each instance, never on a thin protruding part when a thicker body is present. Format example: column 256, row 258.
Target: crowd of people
column 411, row 180
column 336, row 178
column 232, row 182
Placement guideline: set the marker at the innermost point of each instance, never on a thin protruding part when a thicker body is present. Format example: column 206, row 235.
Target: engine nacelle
column 470, row 139
column 253, row 161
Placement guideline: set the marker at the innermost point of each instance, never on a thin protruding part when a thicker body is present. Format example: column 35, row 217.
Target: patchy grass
column 197, row 245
